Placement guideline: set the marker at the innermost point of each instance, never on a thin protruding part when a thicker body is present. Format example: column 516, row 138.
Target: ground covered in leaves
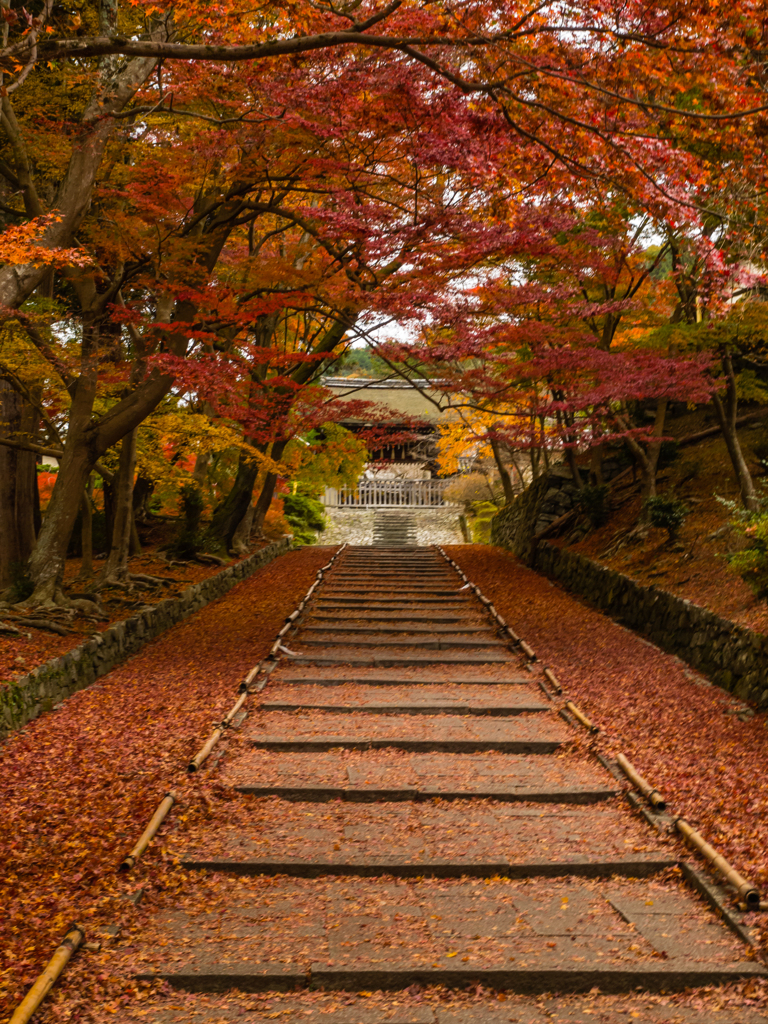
column 35, row 644
column 78, row 785
column 695, row 567
column 684, row 734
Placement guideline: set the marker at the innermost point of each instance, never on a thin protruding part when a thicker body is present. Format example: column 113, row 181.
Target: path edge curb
column 27, row 697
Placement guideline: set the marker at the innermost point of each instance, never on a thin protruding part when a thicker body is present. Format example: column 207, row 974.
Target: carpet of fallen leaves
column 681, row 732
column 78, row 785
column 21, row 654
column 695, row 568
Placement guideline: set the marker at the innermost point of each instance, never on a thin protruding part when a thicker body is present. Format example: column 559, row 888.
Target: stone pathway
column 437, row 825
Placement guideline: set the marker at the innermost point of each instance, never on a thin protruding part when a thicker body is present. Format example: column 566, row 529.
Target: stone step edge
column 296, row 867
column 656, row 977
column 497, row 711
column 278, row 680
column 391, row 661
column 340, row 640
column 383, row 794
column 404, row 743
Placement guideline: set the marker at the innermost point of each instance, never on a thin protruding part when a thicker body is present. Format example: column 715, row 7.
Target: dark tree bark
column 116, row 566
column 506, row 479
column 229, row 513
column 726, row 414
column 18, row 485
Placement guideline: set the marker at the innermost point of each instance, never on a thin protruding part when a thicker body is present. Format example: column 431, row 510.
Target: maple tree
column 175, row 125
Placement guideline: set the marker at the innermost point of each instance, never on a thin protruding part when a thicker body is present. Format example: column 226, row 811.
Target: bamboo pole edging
column 651, row 794
column 748, row 893
column 581, row 717
column 49, row 975
column 553, row 681
column 502, row 623
column 150, row 831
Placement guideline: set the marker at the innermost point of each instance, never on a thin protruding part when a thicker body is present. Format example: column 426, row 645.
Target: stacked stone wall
column 432, row 525
column 733, row 657
column 28, row 696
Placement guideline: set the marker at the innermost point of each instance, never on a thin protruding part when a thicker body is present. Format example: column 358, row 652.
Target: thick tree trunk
column 506, row 479
column 230, row 512
column 18, row 485
column 261, row 507
column 726, row 414
column 268, row 490
column 116, row 566
column 243, row 532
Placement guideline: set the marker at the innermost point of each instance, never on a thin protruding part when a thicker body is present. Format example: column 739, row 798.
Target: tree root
column 208, row 559
column 45, row 624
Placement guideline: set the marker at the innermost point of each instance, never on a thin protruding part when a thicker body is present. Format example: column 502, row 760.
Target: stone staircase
column 393, row 529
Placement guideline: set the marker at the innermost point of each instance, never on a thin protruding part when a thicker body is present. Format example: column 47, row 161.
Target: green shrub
column 306, row 517
column 666, row 514
column 752, row 562
column 479, row 518
column 593, row 502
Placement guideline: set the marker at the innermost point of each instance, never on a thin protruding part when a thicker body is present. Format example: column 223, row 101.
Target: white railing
column 388, row 493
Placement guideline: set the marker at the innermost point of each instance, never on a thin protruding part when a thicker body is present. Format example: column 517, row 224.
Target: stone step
column 282, row 675
column 384, row 619
column 427, row 641
column 325, row 726
column 463, row 1008
column 404, row 700
column 397, row 593
column 321, row 601
column 382, row 659
column 481, row 839
column 393, row 775
column 527, row 936
column 401, row 867
column 406, row 573
column 383, row 626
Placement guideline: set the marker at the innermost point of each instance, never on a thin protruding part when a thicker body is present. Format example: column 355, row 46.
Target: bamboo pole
column 527, row 651
column 553, row 680
column 745, row 889
column 652, row 795
column 217, row 733
column 46, row 980
column 580, row 717
column 151, row 830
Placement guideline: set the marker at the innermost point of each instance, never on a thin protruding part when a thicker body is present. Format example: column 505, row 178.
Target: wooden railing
column 388, row 493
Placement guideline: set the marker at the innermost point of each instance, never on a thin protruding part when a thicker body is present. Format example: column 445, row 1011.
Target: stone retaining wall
column 733, row 657
column 28, row 696
column 550, row 496
column 432, row 525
